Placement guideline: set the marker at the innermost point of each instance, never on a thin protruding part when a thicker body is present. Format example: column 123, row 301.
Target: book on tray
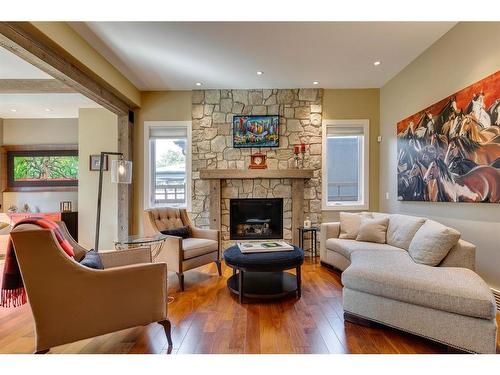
column 264, row 247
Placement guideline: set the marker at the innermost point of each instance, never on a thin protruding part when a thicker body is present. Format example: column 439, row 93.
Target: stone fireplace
column 300, row 112
column 256, row 219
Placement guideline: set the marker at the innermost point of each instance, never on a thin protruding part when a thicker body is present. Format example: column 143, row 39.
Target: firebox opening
column 256, row 219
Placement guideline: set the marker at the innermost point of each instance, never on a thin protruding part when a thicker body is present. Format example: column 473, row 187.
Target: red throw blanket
column 13, row 292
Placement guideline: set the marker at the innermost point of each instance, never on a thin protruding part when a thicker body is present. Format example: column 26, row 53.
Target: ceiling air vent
column 496, row 293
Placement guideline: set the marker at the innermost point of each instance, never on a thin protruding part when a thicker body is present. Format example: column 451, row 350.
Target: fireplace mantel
column 298, row 176
column 237, row 174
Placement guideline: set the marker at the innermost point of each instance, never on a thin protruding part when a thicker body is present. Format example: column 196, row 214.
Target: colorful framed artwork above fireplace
column 255, row 131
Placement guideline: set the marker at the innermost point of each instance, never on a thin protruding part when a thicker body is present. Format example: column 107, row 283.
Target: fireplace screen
column 253, row 218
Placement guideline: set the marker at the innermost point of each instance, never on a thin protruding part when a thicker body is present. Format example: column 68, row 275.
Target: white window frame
column 365, row 175
column 147, row 160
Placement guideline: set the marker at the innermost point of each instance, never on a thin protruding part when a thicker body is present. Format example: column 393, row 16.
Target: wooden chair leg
column 219, row 268
column 167, row 326
column 42, row 351
column 180, row 275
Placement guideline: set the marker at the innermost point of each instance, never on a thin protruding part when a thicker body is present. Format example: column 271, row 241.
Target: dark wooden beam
column 125, row 191
column 20, row 39
column 34, row 86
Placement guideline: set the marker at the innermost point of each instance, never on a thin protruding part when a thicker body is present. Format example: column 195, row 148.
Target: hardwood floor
column 206, row 318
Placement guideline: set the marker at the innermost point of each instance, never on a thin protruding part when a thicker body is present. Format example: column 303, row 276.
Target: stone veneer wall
column 300, row 112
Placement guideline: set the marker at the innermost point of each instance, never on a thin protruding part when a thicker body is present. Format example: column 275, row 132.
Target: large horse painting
column 450, row 151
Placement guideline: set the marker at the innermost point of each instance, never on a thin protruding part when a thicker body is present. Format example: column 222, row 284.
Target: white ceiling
column 35, row 105
column 176, row 55
column 13, row 67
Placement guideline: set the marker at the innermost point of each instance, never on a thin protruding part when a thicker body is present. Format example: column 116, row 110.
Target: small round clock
column 257, row 161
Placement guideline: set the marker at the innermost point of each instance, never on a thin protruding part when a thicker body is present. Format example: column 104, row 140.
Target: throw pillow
column 380, row 215
column 349, row 224
column 373, row 230
column 402, row 229
column 92, row 259
column 432, row 242
column 177, row 232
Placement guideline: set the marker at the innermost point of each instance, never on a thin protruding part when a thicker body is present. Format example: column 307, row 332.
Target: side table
column 153, row 242
column 314, row 240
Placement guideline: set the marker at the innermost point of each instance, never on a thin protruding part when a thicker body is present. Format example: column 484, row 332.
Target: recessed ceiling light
column 199, row 83
column 13, row 110
column 315, row 83
column 376, row 63
column 260, row 72
column 48, row 110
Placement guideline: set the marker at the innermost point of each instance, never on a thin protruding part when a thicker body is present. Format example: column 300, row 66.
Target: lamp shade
column 121, row 171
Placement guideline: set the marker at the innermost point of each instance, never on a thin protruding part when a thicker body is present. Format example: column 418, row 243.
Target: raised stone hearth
column 300, row 112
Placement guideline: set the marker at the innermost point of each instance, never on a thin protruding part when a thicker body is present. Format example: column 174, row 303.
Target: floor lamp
column 121, row 173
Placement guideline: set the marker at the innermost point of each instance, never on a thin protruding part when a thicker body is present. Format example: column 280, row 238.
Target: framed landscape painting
column 42, row 168
column 450, row 151
column 255, row 131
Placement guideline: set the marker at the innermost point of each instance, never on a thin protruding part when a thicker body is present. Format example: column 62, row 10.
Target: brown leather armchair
column 202, row 247
column 71, row 302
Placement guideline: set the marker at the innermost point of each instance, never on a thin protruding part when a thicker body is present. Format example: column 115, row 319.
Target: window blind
column 345, row 130
column 172, row 132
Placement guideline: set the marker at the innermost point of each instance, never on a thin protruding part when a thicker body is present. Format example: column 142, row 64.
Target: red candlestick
column 296, row 149
column 302, row 147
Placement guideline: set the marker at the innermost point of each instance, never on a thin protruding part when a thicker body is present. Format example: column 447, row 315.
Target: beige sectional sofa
column 448, row 302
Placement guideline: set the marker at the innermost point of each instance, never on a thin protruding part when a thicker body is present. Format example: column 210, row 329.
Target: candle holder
column 296, row 161
column 298, row 150
column 303, row 151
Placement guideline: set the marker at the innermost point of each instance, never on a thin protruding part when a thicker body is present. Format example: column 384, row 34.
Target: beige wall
column 461, row 57
column 42, row 201
column 340, row 104
column 156, row 106
column 40, row 131
column 97, row 131
column 62, row 34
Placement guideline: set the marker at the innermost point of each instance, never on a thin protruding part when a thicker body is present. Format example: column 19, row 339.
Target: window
column 168, row 164
column 345, row 164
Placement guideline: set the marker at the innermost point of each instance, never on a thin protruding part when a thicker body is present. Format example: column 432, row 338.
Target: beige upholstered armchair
column 71, row 302
column 200, row 248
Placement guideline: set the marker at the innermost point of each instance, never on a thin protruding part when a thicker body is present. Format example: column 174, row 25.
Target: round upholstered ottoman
column 262, row 276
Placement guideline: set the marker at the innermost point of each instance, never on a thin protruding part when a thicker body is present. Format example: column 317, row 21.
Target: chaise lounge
column 447, row 302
